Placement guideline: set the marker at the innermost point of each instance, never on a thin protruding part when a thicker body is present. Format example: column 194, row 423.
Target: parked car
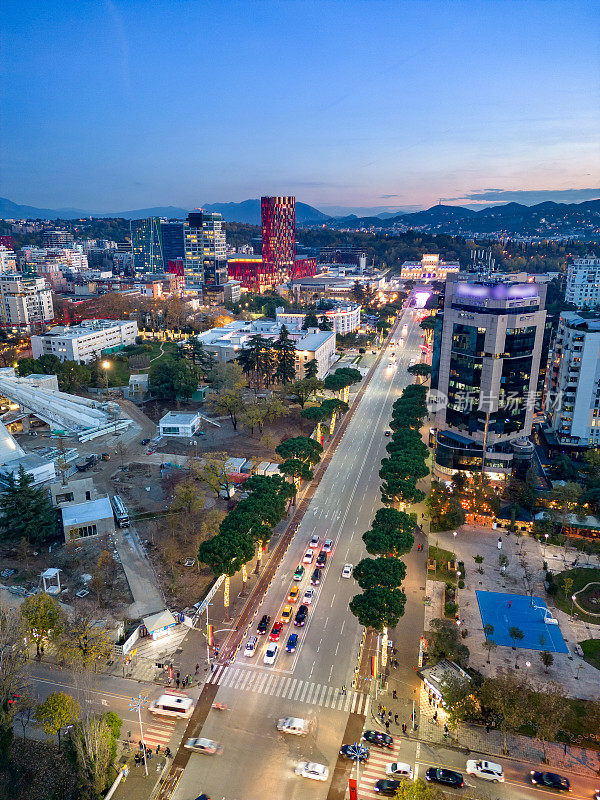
column 487, row 770
column 550, row 780
column 145, row 442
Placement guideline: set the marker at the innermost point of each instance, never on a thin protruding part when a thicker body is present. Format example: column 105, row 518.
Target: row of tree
column 270, row 361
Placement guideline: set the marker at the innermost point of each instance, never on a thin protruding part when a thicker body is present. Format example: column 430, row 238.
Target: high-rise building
column 205, row 252
column 173, row 246
column 486, row 359
column 278, row 215
column 8, row 259
column 583, row 282
column 57, row 238
column 24, row 302
column 146, row 245
column 573, row 394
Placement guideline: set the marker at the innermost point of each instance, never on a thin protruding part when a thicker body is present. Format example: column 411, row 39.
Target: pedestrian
column 149, row 754
column 389, row 715
column 509, row 603
column 384, row 709
column 178, row 675
column 141, row 745
column 394, row 695
column 394, row 651
column 430, row 699
column 168, row 752
column 157, row 749
column 177, row 682
column 435, row 717
column 197, row 668
column 446, row 729
column 395, row 719
column 387, row 725
column 404, row 728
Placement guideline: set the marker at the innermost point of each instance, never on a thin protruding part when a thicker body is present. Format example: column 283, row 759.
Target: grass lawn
column 591, row 652
column 442, row 557
column 580, row 577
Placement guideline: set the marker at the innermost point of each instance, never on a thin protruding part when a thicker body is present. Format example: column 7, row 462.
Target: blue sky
column 121, row 104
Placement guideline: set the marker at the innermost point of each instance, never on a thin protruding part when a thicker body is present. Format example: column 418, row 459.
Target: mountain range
column 512, row 218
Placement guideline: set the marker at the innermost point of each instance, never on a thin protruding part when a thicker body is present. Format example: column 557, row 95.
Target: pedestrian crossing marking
column 374, row 769
column 294, row 689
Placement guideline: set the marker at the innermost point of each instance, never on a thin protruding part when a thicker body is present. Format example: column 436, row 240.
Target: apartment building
column 343, row 318
column 87, row 341
column 583, row 282
column 24, row 302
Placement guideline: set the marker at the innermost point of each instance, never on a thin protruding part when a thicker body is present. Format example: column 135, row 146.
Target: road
column 257, row 760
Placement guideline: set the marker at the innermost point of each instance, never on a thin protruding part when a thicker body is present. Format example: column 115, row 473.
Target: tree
column 489, row 643
column 310, row 321
column 419, row 790
column 384, row 572
column 549, row 713
column 13, row 672
column 427, row 324
column 516, row 634
column 297, row 470
column 56, row 712
column 73, row 377
column 301, row 391
column 325, row 323
column 187, row 498
column 83, row 641
column 507, row 698
column 394, row 490
column 228, row 402
column 300, row 447
column 547, row 660
column 420, row 370
column 26, row 511
column 391, row 533
column 285, row 350
column 213, row 472
column 444, row 642
column 92, row 748
column 226, row 375
column 378, row 607
column 444, row 507
column 357, row 292
column 459, row 699
column 172, row 378
column 311, row 368
column 225, row 554
column 43, row 618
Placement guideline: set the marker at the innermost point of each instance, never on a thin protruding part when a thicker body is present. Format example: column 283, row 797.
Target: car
column 145, row 442
column 487, row 770
column 315, row 578
column 550, row 780
column 299, row 573
column 308, row 556
column 294, row 725
column 386, row 787
column 301, row 615
column 379, row 738
column 314, row 542
column 206, row 746
column 203, row 796
column 310, row 769
column 262, row 626
column 251, row 645
column 448, row 777
column 308, row 597
column 328, row 545
column 105, row 456
column 271, row 654
column 399, row 769
column 286, row 614
column 388, row 433
column 349, row 751
column 276, row 632
column 293, row 594
column 347, row 571
column 321, row 560
column 292, row 643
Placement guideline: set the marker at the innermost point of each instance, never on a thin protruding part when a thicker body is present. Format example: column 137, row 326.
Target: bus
column 120, row 512
column 173, row 704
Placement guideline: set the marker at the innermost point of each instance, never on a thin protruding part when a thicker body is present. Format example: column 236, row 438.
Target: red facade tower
column 278, row 215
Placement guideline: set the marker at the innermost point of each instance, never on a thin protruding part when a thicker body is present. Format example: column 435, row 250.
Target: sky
column 112, row 105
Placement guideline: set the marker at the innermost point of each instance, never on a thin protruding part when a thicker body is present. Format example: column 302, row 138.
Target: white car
column 328, row 545
column 251, row 645
column 206, row 746
column 399, row 770
column 294, row 725
column 309, row 769
column 314, row 542
column 487, row 770
column 308, row 596
column 308, row 556
column 347, row 571
column 271, row 653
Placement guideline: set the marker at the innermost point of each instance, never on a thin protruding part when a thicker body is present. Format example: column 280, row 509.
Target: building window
column 82, row 532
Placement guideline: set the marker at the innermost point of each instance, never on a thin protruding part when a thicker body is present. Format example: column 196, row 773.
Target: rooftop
column 179, row 418
column 80, row 513
column 83, row 328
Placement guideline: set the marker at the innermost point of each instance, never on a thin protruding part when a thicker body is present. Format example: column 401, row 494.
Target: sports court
column 531, row 615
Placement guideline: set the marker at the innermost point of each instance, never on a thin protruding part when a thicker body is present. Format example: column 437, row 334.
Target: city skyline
column 408, row 104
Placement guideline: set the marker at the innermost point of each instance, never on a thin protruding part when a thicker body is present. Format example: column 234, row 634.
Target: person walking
column 394, row 695
column 404, row 728
column 387, row 725
column 395, row 719
column 197, row 668
column 435, row 716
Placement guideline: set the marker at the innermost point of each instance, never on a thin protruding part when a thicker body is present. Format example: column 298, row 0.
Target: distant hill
column 249, row 212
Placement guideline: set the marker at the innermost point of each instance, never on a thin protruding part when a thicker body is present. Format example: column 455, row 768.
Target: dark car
column 292, row 643
column 321, row 559
column 348, row 751
column 315, row 578
column 387, row 787
column 263, row 624
column 301, row 616
column 145, row 442
column 275, row 632
column 550, row 780
column 448, row 777
column 379, row 738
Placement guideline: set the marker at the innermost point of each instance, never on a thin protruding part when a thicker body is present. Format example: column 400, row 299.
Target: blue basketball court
column 531, row 615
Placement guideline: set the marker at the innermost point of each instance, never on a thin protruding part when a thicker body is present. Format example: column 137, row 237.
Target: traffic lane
column 258, row 761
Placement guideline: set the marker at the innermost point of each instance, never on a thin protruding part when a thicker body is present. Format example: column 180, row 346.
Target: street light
column 136, row 704
column 106, row 366
column 546, row 535
column 572, row 603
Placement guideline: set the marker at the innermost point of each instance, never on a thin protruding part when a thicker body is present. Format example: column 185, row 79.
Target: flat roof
column 90, row 511
column 85, row 328
column 312, row 341
column 179, row 418
column 159, row 620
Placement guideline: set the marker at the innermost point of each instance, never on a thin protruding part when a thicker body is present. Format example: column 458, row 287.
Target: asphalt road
column 257, row 760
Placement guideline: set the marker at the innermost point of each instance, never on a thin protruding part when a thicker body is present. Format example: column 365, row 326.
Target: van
column 293, row 725
column 173, row 704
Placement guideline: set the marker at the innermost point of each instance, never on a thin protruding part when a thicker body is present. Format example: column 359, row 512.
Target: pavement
column 142, row 580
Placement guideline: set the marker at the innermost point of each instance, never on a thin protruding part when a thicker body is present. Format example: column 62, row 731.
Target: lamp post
column 106, row 367
column 136, row 704
column 572, row 603
column 546, row 535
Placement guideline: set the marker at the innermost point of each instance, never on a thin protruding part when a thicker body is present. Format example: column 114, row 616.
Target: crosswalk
column 289, row 688
column 374, row 769
column 158, row 733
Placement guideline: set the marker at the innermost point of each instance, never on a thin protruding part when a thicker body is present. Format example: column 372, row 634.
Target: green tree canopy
column 386, row 572
column 296, row 469
column 311, row 368
column 26, row 511
column 420, row 369
column 56, row 712
column 310, row 321
column 225, row 554
column 379, row 607
column 379, row 541
column 300, row 447
column 172, row 378
column 43, row 618
column 301, row 391
column 444, row 642
column 285, row 349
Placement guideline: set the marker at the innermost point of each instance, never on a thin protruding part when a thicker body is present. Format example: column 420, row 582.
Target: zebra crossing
column 289, row 688
column 374, row 769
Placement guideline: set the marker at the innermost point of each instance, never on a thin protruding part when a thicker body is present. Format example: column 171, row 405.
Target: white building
column 68, row 259
column 344, row 318
column 573, row 393
column 430, row 268
column 8, row 260
column 184, row 424
column 86, row 341
column 226, row 343
column 583, row 282
column 24, row 301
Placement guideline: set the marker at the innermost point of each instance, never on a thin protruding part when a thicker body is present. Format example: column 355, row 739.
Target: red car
column 276, row 632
